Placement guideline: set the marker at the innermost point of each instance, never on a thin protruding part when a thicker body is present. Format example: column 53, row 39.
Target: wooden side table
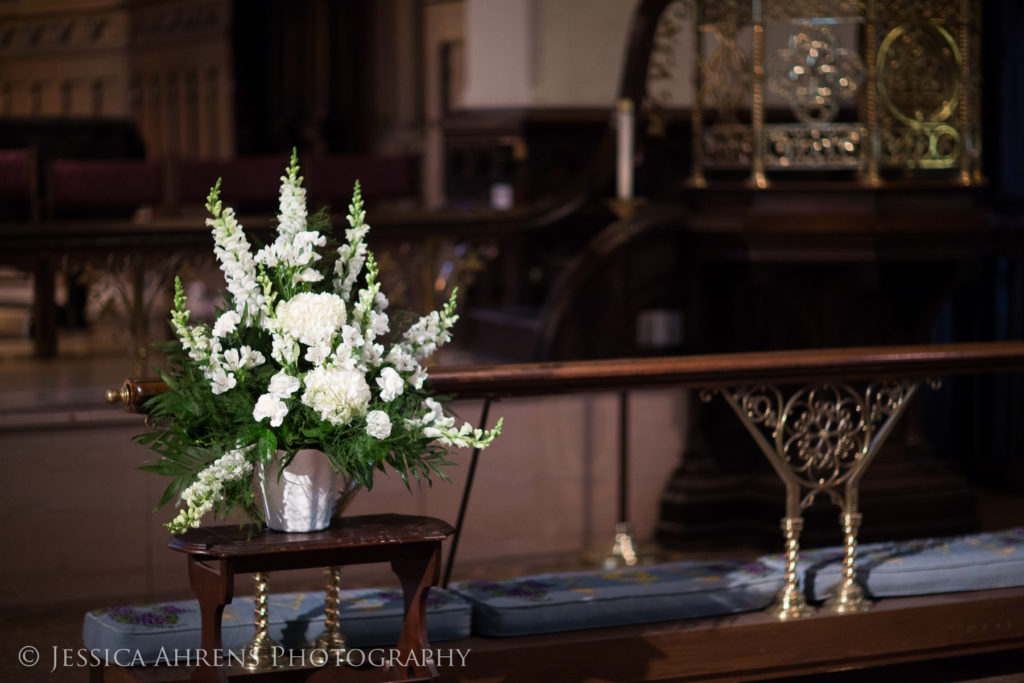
column 411, row 544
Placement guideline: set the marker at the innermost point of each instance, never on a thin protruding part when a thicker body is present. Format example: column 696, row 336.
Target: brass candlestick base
column 790, row 604
column 847, row 598
column 262, row 652
column 623, row 552
column 847, row 595
column 331, row 645
column 625, row 208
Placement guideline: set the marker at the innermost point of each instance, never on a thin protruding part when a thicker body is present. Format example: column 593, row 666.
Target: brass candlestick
column 261, row 654
column 847, row 595
column 791, row 603
column 331, row 643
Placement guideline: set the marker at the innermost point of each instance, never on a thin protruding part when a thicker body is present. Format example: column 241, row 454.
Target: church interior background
column 760, row 216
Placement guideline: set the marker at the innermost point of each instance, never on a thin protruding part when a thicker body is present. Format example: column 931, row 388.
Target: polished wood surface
column 717, row 370
column 712, row 370
column 349, row 532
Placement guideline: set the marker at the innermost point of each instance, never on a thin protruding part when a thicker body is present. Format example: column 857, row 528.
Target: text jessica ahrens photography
column 65, row 658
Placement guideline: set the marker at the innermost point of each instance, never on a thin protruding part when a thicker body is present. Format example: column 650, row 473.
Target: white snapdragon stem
column 236, row 261
column 352, row 255
column 434, row 424
column 208, row 489
column 294, row 248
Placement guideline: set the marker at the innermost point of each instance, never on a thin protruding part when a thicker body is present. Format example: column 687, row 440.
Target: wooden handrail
column 713, row 370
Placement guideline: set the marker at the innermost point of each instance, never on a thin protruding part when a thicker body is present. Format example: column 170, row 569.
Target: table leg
column 213, row 586
column 417, row 575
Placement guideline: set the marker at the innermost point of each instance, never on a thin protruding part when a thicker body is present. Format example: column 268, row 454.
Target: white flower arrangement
column 300, row 357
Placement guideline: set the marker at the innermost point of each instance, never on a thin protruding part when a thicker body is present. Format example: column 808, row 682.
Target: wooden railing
column 700, row 371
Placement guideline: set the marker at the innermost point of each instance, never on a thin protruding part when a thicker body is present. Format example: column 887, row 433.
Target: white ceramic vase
column 303, row 498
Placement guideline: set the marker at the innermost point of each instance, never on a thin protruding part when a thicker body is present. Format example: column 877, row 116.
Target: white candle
column 624, row 165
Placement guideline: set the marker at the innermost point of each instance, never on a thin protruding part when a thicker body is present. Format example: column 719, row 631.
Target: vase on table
column 306, row 494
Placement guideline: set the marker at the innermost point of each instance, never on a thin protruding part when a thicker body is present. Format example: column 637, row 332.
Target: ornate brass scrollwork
column 820, row 440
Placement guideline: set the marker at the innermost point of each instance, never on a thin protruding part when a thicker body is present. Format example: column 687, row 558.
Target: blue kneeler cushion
column 368, row 618
column 920, row 567
column 547, row 603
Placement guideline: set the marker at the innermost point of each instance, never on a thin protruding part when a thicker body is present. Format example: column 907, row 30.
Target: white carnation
column 338, row 394
column 283, row 385
column 269, row 405
column 390, row 383
column 226, row 323
column 378, row 424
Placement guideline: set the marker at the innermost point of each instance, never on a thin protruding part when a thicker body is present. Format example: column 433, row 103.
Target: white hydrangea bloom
column 378, row 424
column 270, row 406
column 338, row 394
column 391, row 384
column 311, row 318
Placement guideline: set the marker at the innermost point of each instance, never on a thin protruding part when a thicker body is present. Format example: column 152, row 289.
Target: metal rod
column 465, row 499
column 623, row 456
